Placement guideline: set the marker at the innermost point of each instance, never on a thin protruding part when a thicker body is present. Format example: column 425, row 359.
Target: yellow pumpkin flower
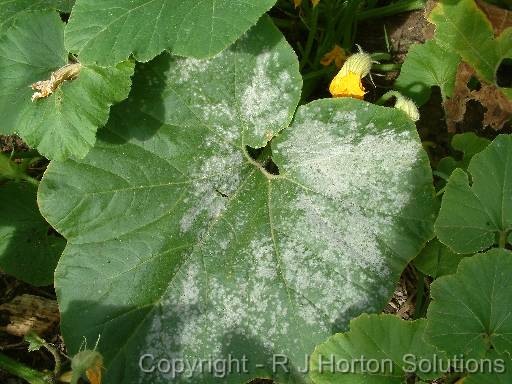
column 347, row 83
column 337, row 54
column 297, row 3
column 347, row 86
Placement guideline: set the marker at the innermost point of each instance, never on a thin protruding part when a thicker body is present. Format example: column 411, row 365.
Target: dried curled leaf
column 45, row 88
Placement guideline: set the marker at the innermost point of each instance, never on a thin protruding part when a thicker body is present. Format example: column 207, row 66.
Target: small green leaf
column 9, row 170
column 437, row 260
column 181, row 243
column 106, row 32
column 427, row 65
column 27, row 249
column 463, row 28
column 65, row 123
column 474, row 216
column 470, row 313
column 469, row 144
column 35, row 343
column 397, row 345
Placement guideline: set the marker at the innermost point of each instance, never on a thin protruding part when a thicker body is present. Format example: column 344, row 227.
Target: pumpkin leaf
column 27, row 250
column 470, row 311
column 475, row 216
column 397, row 345
column 427, row 65
column 463, row 27
column 107, row 32
column 436, row 260
column 64, row 123
column 10, row 10
column 498, row 372
column 469, row 144
column 181, row 242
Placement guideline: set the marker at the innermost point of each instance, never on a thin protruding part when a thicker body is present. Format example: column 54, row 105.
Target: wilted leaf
column 182, row 244
column 63, row 124
column 437, row 260
column 470, row 313
column 427, row 65
column 498, row 107
column 398, row 345
column 474, row 216
column 106, row 32
column 27, row 249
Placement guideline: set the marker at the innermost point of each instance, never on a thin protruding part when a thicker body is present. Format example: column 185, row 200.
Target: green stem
column 386, row 97
column 24, row 372
column 30, row 180
column 311, row 38
column 318, row 73
column 503, row 239
column 380, row 56
column 386, row 67
column 391, row 9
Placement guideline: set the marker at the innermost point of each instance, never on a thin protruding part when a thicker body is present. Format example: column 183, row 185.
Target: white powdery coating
column 201, row 313
column 187, row 69
column 218, row 175
column 334, row 251
column 265, row 100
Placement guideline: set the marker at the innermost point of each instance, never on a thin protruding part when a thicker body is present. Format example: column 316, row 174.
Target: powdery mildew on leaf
column 196, row 253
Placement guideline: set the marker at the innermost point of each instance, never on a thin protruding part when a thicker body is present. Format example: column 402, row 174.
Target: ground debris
column 27, row 313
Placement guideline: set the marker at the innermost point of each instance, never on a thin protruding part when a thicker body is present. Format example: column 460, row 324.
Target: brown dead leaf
column 498, row 107
column 500, row 18
column 30, row 313
column 455, row 107
column 430, row 28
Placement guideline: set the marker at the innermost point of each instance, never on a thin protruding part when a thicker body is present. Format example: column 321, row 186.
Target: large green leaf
column 436, row 260
column 64, row 123
column 11, row 9
column 462, row 27
column 27, row 249
column 427, row 65
column 180, row 244
column 379, row 349
column 475, row 216
column 470, row 313
column 107, row 32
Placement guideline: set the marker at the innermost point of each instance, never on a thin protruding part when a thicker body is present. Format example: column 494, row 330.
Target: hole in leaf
column 255, row 153
column 504, row 73
column 271, row 167
column 263, row 156
column 474, row 84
